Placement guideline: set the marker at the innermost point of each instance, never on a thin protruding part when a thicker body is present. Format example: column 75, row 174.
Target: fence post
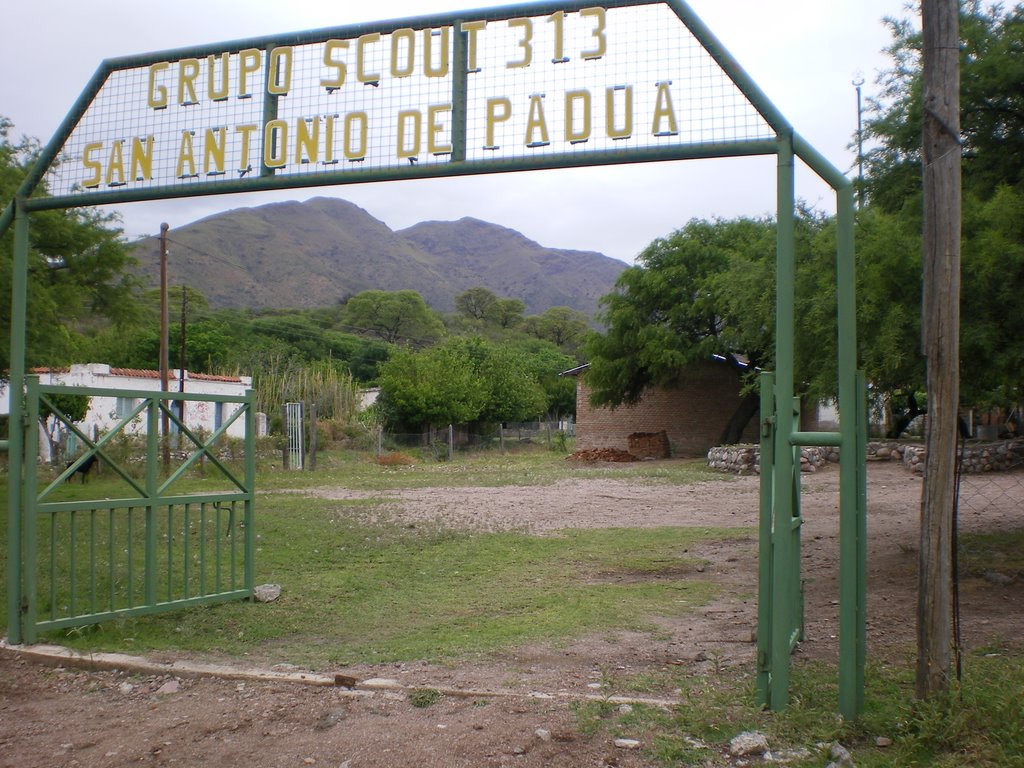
column 287, row 439
column 501, row 437
column 380, row 440
column 451, row 442
column 312, row 437
column 549, row 435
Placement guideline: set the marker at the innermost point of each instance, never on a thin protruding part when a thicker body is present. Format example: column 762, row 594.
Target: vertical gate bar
column 170, row 553
column 232, row 543
column 850, row 513
column 186, row 552
column 92, row 560
column 53, row 565
column 73, row 559
column 202, row 548
column 862, row 537
column 152, row 451
column 797, row 584
column 764, row 556
column 112, row 550
column 216, row 547
column 250, row 493
column 782, row 517
column 29, row 531
column 16, row 563
column 131, row 557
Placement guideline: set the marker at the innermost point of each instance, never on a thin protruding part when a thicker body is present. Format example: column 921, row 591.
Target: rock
column 125, row 688
column 543, row 734
column 329, row 719
column 748, row 743
column 841, row 757
column 171, row 686
column 999, row 579
column 626, row 709
column 627, row 743
column 267, row 593
column 883, row 741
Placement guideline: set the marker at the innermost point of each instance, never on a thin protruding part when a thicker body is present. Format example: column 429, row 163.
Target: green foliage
column 706, row 289
column 78, row 279
column 329, row 385
column 392, row 316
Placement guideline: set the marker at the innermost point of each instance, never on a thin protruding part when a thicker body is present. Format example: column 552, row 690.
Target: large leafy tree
column 992, row 133
column 393, row 316
column 706, row 289
column 78, row 261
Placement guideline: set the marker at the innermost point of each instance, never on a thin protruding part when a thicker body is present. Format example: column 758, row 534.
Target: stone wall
column 998, row 456
column 746, row 459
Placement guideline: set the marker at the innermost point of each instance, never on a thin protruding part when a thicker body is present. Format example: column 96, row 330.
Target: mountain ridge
column 321, row 251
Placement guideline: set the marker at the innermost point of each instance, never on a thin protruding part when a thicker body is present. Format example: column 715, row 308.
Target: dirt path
column 71, row 718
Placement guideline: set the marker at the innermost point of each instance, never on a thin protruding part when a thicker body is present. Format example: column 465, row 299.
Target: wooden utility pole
column 164, row 344
column 940, row 331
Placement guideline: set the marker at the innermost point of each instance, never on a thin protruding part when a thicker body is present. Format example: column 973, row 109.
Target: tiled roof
column 142, row 373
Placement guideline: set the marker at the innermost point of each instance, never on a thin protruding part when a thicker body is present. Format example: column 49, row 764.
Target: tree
column 73, row 407
column 392, row 316
column 508, row 313
column 476, row 303
column 704, row 290
column 435, row 386
column 78, row 268
column 564, row 327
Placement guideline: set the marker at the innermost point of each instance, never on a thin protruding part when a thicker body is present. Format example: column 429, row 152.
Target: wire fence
column 448, row 441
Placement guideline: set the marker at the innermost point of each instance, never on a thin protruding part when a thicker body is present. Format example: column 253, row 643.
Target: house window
column 124, row 406
column 218, row 415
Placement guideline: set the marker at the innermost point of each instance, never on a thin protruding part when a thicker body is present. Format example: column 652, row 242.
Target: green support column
column 852, row 512
column 16, row 440
column 250, row 485
column 764, row 552
column 783, row 612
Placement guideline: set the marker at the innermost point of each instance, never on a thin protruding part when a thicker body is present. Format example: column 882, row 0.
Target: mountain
column 319, row 252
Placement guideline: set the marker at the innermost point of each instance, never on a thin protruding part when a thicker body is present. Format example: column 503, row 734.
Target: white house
column 106, row 412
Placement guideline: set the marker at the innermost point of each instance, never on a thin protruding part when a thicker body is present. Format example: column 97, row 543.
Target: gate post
column 764, row 553
column 16, row 421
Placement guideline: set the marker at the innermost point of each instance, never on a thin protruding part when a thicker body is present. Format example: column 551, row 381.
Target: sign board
column 525, row 87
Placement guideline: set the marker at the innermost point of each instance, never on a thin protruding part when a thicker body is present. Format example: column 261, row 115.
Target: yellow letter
column 361, row 44
column 572, row 135
column 213, row 150
column 188, row 71
column 472, row 27
column 215, row 92
column 93, row 165
column 558, row 19
column 329, row 158
column 524, row 43
column 157, row 98
column 354, row 121
column 494, row 117
column 275, row 144
column 663, row 109
column 115, row 164
column 609, row 99
column 399, row 36
column 307, row 140
column 339, row 77
column 142, row 159
column 248, row 64
column 245, row 156
column 280, row 80
column 441, row 70
column 536, row 122
column 417, row 121
column 598, row 32
column 186, row 156
column 434, row 127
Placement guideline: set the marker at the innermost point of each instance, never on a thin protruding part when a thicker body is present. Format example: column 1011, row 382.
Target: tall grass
column 281, row 379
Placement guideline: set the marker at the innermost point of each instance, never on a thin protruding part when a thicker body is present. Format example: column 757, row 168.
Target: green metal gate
column 154, row 549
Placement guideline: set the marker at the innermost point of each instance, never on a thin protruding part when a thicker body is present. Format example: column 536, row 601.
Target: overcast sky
column 804, row 54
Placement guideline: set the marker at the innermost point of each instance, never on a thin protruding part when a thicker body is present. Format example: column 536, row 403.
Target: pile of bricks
column 649, row 445
column 602, row 454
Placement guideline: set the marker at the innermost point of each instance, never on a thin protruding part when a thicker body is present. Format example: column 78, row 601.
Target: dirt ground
column 514, row 708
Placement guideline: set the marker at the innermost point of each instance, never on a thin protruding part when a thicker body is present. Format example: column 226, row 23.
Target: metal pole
column 783, row 489
column 181, row 352
column 164, row 344
column 852, row 513
column 858, row 82
column 16, row 437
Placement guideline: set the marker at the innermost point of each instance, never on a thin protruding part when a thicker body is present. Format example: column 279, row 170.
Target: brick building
column 693, row 414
